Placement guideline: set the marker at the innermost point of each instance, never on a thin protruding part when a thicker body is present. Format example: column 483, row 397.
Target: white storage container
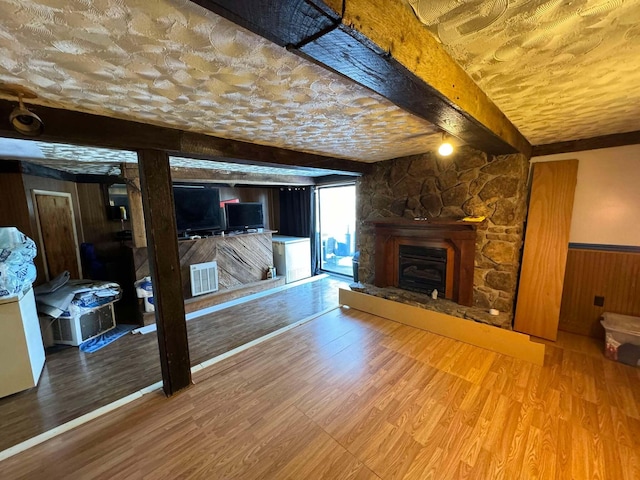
column 292, row 257
column 622, row 338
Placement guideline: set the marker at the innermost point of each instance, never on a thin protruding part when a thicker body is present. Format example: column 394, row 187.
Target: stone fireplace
column 422, row 255
column 443, row 190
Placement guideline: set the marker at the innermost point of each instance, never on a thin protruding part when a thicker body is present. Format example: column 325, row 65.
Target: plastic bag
column 17, row 271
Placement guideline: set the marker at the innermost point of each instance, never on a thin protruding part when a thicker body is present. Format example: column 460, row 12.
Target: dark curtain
column 298, row 218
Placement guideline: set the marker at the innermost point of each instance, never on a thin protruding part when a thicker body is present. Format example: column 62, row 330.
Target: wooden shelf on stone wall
column 433, row 223
column 216, row 298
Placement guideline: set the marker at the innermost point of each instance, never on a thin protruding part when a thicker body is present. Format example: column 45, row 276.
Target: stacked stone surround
column 469, row 182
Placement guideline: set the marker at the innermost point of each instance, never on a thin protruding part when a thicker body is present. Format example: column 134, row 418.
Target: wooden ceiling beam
column 67, row 126
column 593, row 143
column 381, row 45
column 238, row 178
column 201, row 146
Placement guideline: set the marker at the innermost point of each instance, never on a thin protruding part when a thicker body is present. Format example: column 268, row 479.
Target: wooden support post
column 164, row 263
column 136, row 212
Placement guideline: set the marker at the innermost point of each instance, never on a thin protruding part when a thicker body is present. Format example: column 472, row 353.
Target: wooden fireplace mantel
column 459, row 238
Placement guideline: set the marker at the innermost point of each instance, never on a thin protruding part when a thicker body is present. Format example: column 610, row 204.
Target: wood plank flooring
column 74, row 383
column 351, row 395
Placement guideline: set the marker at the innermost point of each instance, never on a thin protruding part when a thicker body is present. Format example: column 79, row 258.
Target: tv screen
column 197, row 208
column 242, row 216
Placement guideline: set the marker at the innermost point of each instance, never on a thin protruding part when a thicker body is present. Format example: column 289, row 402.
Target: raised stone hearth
column 503, row 320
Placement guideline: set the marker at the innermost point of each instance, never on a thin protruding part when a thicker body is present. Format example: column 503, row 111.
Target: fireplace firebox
column 426, row 254
column 422, row 269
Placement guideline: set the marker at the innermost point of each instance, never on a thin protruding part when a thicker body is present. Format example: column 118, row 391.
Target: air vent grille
column 204, row 278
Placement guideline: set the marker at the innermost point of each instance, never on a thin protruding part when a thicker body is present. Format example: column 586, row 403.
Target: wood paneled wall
column 14, row 211
column 97, row 227
column 264, row 195
column 242, row 259
column 609, row 274
column 114, row 255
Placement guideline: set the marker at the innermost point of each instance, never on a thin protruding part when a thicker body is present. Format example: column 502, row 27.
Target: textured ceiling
column 559, row 69
column 172, row 63
column 105, row 161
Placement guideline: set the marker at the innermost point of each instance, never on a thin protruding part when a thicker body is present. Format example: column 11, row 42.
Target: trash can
column 356, row 264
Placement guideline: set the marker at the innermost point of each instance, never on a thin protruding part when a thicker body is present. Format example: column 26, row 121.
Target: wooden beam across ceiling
column 594, row 143
column 381, row 45
column 67, row 126
column 238, row 178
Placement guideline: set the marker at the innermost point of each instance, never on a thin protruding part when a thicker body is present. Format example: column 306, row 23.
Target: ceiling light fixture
column 22, row 119
column 446, row 147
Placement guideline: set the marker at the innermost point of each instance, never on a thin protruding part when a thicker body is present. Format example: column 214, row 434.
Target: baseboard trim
column 506, row 342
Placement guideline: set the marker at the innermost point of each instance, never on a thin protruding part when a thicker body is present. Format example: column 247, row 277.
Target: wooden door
column 58, row 236
column 546, row 244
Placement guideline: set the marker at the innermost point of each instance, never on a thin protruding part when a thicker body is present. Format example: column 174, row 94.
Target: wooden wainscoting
column 614, row 275
column 242, row 259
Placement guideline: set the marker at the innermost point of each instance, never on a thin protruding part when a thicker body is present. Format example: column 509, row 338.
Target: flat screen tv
column 197, row 208
column 244, row 215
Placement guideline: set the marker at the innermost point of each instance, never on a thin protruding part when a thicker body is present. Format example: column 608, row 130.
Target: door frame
column 34, row 195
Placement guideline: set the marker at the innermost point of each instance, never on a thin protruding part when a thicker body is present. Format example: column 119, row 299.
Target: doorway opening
column 336, row 227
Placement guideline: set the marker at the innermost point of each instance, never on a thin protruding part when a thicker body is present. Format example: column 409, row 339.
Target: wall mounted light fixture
column 22, row 119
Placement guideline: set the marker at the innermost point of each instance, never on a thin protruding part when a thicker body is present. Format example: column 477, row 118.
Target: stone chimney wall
column 469, row 182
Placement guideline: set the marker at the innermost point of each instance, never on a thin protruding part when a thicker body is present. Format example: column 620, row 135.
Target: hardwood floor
column 351, row 395
column 75, row 383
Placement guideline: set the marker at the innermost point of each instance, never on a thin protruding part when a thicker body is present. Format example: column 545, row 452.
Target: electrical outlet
column 598, row 301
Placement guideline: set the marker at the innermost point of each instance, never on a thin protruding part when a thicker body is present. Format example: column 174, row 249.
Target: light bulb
column 445, row 149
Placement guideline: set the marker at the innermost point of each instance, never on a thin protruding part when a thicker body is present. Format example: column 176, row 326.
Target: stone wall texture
column 469, row 182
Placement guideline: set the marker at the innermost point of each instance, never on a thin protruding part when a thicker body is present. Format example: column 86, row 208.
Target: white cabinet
column 21, row 349
column 292, row 257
